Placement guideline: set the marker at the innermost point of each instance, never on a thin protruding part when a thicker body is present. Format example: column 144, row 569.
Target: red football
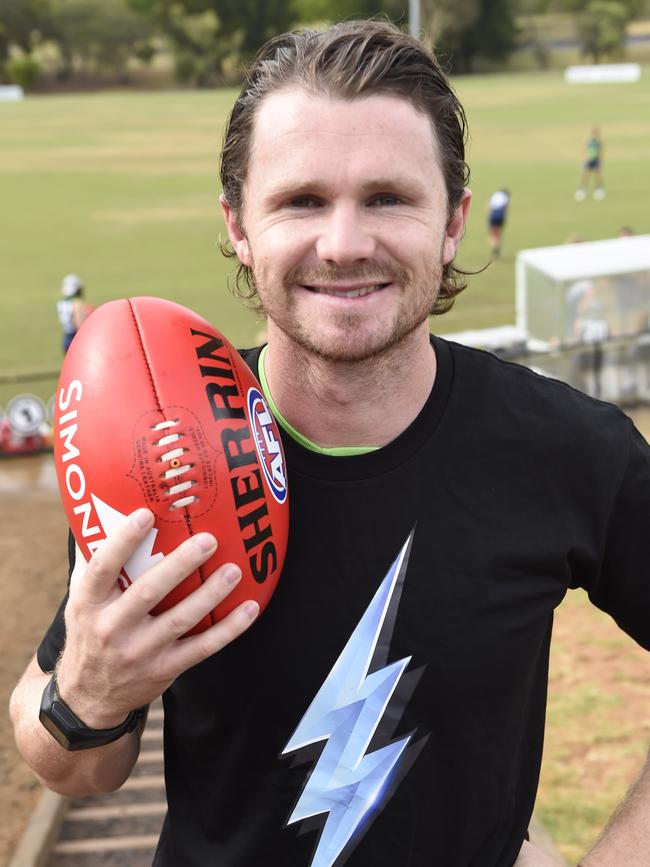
column 155, row 408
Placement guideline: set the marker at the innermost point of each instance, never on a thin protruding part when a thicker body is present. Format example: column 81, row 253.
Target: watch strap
column 70, row 731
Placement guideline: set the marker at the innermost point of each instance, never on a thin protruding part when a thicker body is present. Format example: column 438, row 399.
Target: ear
column 456, row 228
column 235, row 234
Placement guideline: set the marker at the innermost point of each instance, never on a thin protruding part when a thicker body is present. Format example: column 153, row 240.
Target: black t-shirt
column 387, row 709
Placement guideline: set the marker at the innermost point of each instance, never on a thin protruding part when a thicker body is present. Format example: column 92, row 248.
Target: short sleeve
column 623, row 586
column 54, row 639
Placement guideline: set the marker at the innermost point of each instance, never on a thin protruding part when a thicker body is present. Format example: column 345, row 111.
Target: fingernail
column 232, row 573
column 205, row 542
column 141, row 518
column 252, row 609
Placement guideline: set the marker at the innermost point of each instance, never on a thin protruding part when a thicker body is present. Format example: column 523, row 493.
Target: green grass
column 528, row 133
column 122, row 188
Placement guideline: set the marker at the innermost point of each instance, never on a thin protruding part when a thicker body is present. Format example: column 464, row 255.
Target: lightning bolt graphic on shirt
column 347, row 783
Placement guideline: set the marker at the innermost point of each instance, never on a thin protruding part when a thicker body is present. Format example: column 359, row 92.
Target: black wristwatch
column 71, row 732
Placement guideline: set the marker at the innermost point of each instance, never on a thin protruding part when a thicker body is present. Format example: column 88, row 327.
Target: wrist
column 70, row 731
column 88, row 708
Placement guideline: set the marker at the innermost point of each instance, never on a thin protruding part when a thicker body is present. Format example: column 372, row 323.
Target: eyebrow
column 400, row 185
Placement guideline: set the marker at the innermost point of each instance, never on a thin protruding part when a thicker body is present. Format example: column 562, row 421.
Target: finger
column 197, row 648
column 98, row 584
column 154, row 584
column 178, row 620
column 80, row 566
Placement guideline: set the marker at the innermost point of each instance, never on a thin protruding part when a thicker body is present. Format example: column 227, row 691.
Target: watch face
column 53, row 729
column 57, row 717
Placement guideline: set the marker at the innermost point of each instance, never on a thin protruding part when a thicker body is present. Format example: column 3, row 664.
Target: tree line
column 210, row 41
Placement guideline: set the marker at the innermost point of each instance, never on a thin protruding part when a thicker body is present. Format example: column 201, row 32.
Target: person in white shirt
column 71, row 308
column 497, row 210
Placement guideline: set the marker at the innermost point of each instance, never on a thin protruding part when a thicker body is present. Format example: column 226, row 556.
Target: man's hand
column 531, row 856
column 118, row 656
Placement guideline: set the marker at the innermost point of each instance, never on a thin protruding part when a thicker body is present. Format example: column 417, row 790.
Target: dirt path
column 33, row 568
column 591, row 659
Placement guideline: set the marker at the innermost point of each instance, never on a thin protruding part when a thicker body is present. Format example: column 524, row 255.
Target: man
column 388, row 708
column 497, row 211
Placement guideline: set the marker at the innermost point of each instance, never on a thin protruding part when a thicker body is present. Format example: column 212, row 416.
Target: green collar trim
column 336, row 451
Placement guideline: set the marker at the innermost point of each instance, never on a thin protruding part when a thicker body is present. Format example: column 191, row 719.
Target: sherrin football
column 155, row 408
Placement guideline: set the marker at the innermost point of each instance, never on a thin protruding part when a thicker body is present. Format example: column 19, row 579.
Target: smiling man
column 388, row 708
column 346, row 234
column 348, row 222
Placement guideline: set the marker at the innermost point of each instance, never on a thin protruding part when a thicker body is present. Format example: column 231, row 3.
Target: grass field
column 122, row 188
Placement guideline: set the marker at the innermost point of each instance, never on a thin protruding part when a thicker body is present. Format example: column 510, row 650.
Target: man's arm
column 68, row 773
column 117, row 657
column 625, row 842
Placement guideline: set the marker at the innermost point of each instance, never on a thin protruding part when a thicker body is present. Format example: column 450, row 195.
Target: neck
column 360, row 403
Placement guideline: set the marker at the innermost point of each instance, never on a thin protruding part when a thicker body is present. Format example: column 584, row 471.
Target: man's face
column 345, row 221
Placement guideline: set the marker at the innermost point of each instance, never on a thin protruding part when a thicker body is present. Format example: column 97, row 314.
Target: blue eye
column 385, row 199
column 303, row 202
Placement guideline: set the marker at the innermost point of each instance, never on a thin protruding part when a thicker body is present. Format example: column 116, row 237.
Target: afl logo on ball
column 268, row 444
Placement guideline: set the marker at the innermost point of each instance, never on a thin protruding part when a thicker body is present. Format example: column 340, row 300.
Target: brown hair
column 349, row 60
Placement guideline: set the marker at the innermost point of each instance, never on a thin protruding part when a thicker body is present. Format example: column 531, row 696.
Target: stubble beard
column 354, row 341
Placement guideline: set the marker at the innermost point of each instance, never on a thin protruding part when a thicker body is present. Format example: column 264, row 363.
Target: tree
column 100, row 34
column 195, row 35
column 24, row 23
column 465, row 30
column 575, row 7
column 310, row 11
column 601, row 28
column 247, row 23
column 4, row 49
column 255, row 21
column 199, row 47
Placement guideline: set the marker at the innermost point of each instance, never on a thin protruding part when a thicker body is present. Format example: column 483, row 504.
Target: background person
column 497, row 212
column 592, row 169
column 388, row 708
column 72, row 310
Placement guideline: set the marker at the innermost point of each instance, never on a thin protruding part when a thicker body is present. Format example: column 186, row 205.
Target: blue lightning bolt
column 346, row 782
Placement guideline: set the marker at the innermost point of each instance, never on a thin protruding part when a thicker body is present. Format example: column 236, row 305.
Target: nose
column 344, row 240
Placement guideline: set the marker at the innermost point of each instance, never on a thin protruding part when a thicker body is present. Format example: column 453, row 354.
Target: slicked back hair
column 350, row 60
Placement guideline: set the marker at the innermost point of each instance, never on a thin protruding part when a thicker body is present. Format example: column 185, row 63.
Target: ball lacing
column 174, row 459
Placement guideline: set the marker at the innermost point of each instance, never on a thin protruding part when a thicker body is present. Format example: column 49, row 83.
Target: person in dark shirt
column 388, row 707
column 592, row 169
